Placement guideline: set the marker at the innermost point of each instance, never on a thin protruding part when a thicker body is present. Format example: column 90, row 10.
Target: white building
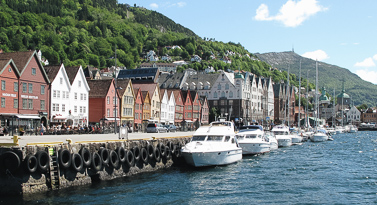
column 164, row 106
column 171, row 106
column 353, row 116
column 196, row 58
column 79, row 96
column 59, row 92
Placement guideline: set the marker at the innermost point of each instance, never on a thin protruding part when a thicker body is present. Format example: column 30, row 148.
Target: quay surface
column 27, row 139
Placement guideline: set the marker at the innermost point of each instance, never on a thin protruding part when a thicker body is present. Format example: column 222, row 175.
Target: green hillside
column 330, row 76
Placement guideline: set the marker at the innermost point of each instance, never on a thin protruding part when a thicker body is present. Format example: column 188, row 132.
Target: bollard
column 15, row 139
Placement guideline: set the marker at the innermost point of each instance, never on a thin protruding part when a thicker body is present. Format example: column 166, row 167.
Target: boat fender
column 114, row 159
column 136, row 153
column 10, row 161
column 96, row 162
column 77, row 162
column 86, row 156
column 157, row 155
column 122, row 154
column 171, row 146
column 162, row 148
column 31, row 163
column 144, row 155
column 150, row 150
column 43, row 161
column 130, row 158
column 65, row 158
column 168, row 153
column 105, row 156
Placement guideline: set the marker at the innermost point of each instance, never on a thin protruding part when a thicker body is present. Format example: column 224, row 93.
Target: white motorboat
column 331, row 130
column 213, row 145
column 282, row 135
column 319, row 136
column 339, row 129
column 272, row 140
column 252, row 140
column 296, row 138
column 353, row 129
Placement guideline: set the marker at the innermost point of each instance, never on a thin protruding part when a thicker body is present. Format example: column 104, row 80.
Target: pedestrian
column 5, row 131
column 42, row 129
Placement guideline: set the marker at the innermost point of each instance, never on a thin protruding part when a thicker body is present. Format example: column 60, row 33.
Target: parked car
column 156, row 127
column 171, row 128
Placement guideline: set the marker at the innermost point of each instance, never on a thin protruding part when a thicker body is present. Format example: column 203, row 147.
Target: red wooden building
column 138, row 109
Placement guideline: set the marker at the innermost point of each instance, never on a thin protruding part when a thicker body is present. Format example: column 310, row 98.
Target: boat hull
column 284, row 142
column 254, row 148
column 274, row 145
column 319, row 138
column 201, row 159
column 296, row 139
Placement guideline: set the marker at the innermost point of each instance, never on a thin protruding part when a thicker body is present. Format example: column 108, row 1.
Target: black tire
column 122, row 154
column 114, row 159
column 86, row 156
column 162, row 149
column 10, row 161
column 136, row 153
column 77, row 162
column 168, row 153
column 96, row 162
column 150, row 150
column 171, row 146
column 130, row 159
column 31, row 163
column 65, row 158
column 157, row 155
column 105, row 156
column 144, row 155
column 43, row 161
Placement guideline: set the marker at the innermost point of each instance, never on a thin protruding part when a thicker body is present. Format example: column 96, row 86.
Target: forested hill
column 329, row 76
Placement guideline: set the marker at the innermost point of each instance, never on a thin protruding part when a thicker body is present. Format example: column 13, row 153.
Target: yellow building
column 127, row 94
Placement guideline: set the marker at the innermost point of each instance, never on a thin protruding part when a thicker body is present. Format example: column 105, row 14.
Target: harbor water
column 343, row 171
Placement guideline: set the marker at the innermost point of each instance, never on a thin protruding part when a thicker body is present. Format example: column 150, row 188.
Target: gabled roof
column 122, row 83
column 72, row 72
column 52, row 72
column 150, row 87
column 167, row 80
column 5, row 62
column 144, row 94
column 99, row 88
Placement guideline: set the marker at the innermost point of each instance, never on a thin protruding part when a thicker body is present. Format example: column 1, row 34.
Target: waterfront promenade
column 27, row 139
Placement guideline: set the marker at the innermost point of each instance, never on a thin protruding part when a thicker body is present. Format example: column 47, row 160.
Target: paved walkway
column 88, row 137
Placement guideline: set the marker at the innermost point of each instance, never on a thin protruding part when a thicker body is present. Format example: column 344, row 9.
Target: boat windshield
column 251, row 136
column 280, row 132
column 240, row 137
column 215, row 138
column 198, row 138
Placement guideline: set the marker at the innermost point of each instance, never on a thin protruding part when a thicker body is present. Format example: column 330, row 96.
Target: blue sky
column 338, row 32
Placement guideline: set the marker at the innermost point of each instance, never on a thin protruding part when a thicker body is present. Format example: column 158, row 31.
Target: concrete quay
column 28, row 139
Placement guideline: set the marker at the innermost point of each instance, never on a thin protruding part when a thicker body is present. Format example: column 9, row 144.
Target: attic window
column 33, row 71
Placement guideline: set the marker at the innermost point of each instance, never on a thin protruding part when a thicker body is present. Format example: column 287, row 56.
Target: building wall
column 60, row 98
column 97, row 109
column 80, row 86
column 10, row 77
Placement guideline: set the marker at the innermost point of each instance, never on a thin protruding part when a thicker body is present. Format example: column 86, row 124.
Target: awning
column 110, row 119
column 28, row 117
column 188, row 120
column 60, row 118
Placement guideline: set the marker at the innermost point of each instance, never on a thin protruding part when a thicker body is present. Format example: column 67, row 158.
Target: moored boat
column 213, row 145
column 282, row 135
column 319, row 136
column 252, row 140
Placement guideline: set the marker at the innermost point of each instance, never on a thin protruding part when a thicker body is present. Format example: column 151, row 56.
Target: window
column 58, row 94
column 219, row 86
column 108, row 100
column 61, row 81
column 83, row 109
column 24, row 103
column 43, row 105
column 214, row 103
column 30, row 104
column 63, row 107
column 24, row 87
column 230, row 94
column 15, row 103
column 227, row 86
column 75, row 109
column 215, row 95
column 43, row 89
column 3, row 85
column 15, row 87
column 80, row 109
column 223, row 94
column 108, row 112
column 30, row 88
column 79, row 83
column 84, row 96
column 81, row 96
column 114, row 100
column 2, row 102
column 54, row 94
column 75, row 96
column 33, row 71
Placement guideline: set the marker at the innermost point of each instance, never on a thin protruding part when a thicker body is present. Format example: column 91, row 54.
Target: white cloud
column 375, row 57
column 368, row 62
column 181, row 4
column 292, row 13
column 316, row 55
column 367, row 75
column 154, row 6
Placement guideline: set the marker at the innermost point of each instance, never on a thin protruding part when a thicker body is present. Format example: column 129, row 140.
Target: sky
column 338, row 32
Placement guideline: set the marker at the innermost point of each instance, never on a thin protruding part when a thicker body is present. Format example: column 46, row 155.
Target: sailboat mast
column 288, row 96
column 307, row 102
column 299, row 99
column 316, row 93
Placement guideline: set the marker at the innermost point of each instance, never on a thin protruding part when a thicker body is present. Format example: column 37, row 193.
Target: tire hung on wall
column 77, row 162
column 86, row 156
column 105, row 156
column 130, row 159
column 96, row 162
column 114, row 159
column 10, row 161
column 31, row 163
column 168, row 153
column 162, row 148
column 136, row 153
column 150, row 150
column 65, row 158
column 144, row 155
column 122, row 153
column 171, row 146
column 157, row 155
column 43, row 161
